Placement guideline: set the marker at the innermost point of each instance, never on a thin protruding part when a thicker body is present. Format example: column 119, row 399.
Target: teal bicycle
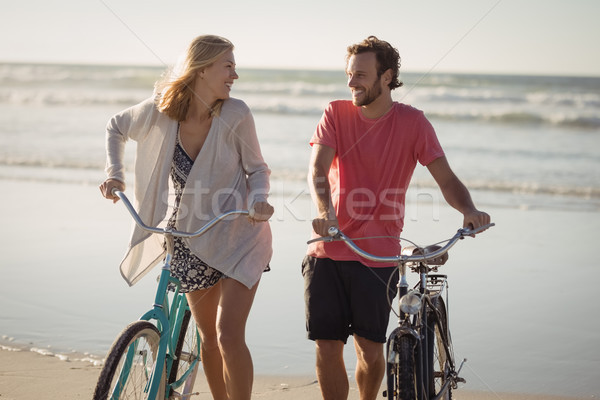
column 156, row 357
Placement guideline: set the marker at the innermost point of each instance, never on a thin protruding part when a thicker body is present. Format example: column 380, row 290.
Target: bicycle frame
column 177, row 309
column 168, row 315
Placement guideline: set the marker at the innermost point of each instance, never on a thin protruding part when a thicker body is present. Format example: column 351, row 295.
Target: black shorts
column 344, row 298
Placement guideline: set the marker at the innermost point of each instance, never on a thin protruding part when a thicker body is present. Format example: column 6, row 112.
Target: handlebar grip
column 471, row 231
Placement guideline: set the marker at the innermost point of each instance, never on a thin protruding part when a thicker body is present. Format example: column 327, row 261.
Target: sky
column 539, row 37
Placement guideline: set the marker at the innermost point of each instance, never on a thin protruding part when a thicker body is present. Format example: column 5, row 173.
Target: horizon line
column 307, row 68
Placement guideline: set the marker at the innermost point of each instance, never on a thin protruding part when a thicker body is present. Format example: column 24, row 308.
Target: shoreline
column 27, row 375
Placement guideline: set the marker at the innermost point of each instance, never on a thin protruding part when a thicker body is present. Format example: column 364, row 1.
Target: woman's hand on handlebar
column 261, row 211
column 107, row 187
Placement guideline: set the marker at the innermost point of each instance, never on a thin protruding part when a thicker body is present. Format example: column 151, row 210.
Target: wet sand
column 26, row 375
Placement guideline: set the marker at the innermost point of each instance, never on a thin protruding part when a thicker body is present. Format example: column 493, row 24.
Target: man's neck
column 379, row 107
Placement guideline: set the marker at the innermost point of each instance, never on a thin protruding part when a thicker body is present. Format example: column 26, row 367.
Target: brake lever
column 321, row 239
column 334, row 234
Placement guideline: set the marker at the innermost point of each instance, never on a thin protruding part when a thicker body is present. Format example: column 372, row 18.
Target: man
column 364, row 152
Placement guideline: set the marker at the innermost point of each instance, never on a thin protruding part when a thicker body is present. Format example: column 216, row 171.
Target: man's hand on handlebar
column 321, row 225
column 107, row 187
column 476, row 219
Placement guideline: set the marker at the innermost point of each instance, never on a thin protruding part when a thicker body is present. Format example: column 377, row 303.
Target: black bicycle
column 419, row 354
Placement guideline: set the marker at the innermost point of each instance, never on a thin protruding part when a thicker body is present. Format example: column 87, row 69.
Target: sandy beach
column 512, row 340
column 25, row 375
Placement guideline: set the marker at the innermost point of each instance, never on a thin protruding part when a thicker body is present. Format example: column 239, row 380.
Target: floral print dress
column 192, row 272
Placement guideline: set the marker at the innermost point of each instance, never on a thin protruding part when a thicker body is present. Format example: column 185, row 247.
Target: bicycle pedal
column 460, row 380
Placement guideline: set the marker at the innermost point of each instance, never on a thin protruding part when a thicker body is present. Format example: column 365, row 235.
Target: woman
column 195, row 133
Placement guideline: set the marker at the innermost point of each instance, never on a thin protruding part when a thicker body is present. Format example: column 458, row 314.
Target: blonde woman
column 193, row 133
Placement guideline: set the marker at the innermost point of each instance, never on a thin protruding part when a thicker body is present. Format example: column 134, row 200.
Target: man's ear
column 387, row 76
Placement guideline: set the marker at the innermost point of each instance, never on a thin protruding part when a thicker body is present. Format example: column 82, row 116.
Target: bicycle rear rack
column 436, row 284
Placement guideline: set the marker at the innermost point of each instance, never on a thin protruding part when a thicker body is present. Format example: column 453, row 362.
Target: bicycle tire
column 401, row 377
column 146, row 338
column 186, row 352
column 439, row 348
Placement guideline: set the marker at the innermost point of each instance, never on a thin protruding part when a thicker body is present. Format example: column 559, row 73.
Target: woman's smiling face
column 220, row 75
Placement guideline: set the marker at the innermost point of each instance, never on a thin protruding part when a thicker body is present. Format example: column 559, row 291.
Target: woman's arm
column 133, row 122
column 256, row 169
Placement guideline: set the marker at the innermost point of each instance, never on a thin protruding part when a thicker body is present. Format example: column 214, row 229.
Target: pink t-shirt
column 370, row 173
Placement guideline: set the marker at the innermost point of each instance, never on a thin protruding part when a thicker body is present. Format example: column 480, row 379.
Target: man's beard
column 370, row 94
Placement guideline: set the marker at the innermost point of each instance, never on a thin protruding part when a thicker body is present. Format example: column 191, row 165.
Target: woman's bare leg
column 234, row 308
column 204, row 305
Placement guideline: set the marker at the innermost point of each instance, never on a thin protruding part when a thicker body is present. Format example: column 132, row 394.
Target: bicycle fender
column 405, row 329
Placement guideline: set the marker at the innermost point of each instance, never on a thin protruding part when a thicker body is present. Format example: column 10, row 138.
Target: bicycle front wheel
column 401, row 367
column 130, row 364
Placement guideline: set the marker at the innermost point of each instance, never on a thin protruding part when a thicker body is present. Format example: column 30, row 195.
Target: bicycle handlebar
column 173, row 232
column 336, row 234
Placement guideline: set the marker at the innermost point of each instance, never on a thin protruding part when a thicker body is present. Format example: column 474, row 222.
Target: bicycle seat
column 413, row 250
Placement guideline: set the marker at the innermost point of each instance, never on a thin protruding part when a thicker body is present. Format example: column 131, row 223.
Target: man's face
column 362, row 78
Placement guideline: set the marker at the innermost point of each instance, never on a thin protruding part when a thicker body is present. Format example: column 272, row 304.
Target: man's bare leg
column 331, row 370
column 370, row 367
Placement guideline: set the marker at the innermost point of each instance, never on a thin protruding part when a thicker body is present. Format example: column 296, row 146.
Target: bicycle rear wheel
column 439, row 345
column 130, row 364
column 186, row 352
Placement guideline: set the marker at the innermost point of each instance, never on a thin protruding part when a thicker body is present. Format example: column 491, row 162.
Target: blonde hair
column 174, row 91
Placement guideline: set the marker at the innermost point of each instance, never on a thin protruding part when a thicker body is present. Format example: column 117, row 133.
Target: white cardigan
column 229, row 173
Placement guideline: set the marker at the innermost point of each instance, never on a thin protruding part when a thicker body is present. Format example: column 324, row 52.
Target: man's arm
column 456, row 193
column 320, row 191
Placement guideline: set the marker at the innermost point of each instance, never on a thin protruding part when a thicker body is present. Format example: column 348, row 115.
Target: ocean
column 526, row 146
column 526, row 135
